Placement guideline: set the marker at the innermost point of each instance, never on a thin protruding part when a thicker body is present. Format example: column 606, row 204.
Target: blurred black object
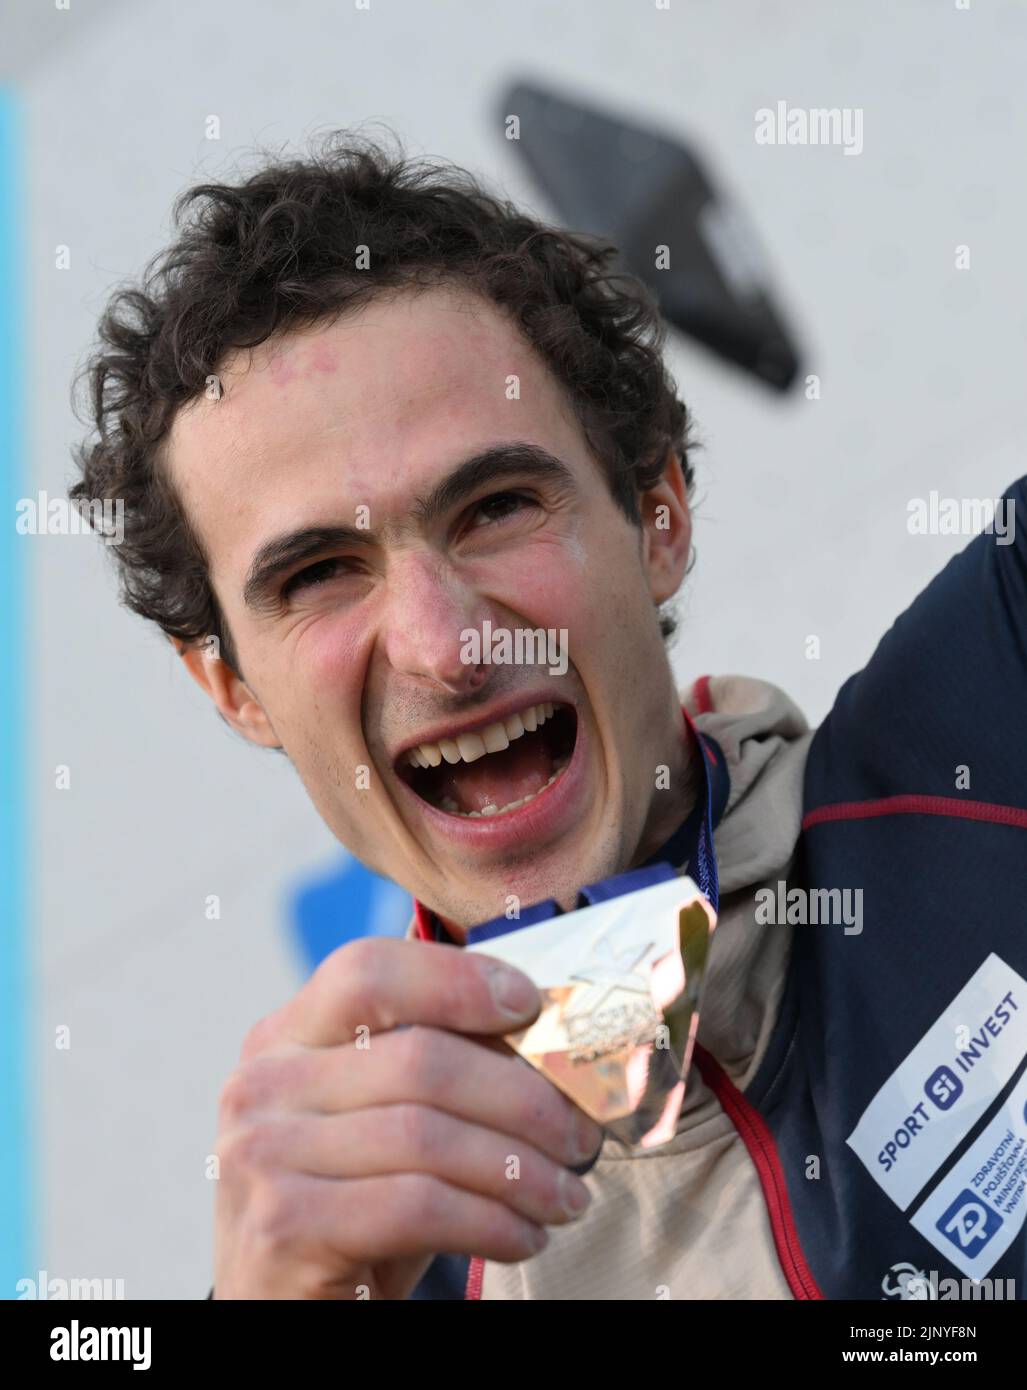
column 644, row 190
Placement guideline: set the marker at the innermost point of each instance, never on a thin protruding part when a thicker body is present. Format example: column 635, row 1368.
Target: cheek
column 592, row 586
column 549, row 585
column 324, row 672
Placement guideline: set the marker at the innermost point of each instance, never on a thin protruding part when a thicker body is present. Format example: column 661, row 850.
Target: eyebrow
column 490, row 465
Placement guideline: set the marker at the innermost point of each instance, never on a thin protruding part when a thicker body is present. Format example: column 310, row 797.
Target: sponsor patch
column 978, row 1209
column 932, row 1101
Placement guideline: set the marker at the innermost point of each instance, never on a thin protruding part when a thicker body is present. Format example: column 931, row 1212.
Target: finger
column 408, row 1214
column 504, row 1048
column 375, row 984
column 425, row 1066
column 417, row 1139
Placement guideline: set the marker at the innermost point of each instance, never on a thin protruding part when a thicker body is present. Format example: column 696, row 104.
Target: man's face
column 354, row 643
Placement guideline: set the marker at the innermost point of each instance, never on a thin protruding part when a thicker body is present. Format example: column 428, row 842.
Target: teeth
column 495, row 738
column 472, row 747
column 450, row 750
column 468, row 748
column 448, row 804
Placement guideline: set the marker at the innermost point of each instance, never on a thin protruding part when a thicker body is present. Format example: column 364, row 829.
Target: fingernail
column 574, row 1195
column 587, row 1141
column 586, row 1167
column 512, row 993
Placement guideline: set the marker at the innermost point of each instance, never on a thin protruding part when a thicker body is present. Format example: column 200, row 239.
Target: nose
column 429, row 610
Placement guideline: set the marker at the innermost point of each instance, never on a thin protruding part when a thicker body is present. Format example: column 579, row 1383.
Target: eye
column 498, row 507
column 311, row 577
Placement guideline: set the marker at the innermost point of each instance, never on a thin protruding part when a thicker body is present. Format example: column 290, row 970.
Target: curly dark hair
column 275, row 252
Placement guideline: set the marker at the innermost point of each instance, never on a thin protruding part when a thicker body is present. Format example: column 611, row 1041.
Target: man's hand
column 354, row 1149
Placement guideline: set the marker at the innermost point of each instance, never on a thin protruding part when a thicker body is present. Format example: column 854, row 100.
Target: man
column 359, row 413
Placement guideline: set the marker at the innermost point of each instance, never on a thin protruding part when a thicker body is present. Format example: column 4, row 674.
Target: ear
column 234, row 699
column 666, row 531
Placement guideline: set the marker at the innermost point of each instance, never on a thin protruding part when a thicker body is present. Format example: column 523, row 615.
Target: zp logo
column 968, row 1223
column 943, row 1087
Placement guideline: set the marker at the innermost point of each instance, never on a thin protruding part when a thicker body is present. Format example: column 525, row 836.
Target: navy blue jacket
column 916, row 791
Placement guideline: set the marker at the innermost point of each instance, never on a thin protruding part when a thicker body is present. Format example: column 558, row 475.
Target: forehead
column 364, row 410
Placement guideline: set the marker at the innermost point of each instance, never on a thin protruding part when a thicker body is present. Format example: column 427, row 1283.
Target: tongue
column 499, row 778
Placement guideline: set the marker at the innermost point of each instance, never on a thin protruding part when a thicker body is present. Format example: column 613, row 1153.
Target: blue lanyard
column 706, row 856
column 689, row 849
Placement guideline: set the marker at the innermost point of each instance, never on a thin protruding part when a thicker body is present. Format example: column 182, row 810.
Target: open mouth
column 495, row 769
